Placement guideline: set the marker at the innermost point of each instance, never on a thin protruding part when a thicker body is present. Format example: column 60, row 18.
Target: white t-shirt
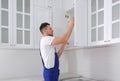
column 47, row 51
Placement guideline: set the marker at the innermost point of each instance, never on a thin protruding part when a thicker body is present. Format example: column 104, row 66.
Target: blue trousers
column 52, row 74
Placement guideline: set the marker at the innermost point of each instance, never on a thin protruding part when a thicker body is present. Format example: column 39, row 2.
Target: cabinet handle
column 73, row 4
column 107, row 41
column 68, row 43
column 12, row 45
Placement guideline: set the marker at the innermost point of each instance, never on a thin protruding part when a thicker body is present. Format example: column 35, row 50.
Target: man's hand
column 71, row 22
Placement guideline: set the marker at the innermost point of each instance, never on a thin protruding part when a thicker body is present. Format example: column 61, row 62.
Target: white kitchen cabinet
column 40, row 15
column 23, row 27
column 80, row 29
column 16, row 23
column 71, row 40
column 98, row 22
column 79, row 34
column 18, row 27
column 96, row 26
column 103, row 24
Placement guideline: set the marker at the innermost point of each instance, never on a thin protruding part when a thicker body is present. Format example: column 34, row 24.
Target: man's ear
column 44, row 30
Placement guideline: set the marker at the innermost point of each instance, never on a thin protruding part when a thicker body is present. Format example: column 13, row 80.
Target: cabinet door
column 70, row 43
column 40, row 15
column 5, row 22
column 97, row 21
column 80, row 23
column 23, row 23
column 115, row 21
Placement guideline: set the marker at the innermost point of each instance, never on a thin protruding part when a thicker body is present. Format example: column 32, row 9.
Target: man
column 50, row 57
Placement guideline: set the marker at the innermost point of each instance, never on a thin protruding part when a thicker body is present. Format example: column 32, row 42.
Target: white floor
column 63, row 77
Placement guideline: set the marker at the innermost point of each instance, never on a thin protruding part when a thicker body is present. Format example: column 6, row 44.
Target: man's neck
column 46, row 35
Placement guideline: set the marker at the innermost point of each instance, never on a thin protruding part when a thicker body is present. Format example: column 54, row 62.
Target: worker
column 49, row 55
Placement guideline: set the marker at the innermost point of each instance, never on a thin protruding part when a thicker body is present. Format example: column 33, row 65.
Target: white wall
column 16, row 63
column 101, row 63
column 19, row 63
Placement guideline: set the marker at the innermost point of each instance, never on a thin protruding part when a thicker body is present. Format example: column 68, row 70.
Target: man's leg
column 51, row 75
column 48, row 75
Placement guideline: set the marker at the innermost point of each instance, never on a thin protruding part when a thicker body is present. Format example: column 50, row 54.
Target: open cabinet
column 71, row 40
column 78, row 38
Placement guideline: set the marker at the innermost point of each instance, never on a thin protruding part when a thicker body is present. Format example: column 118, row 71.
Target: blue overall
column 51, row 74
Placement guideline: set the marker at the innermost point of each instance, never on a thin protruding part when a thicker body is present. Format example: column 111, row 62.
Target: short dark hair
column 43, row 25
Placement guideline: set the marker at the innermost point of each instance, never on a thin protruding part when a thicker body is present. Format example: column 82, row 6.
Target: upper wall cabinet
column 71, row 40
column 16, row 28
column 103, row 22
column 80, row 29
column 20, row 21
column 98, row 22
column 23, row 27
column 40, row 15
column 79, row 34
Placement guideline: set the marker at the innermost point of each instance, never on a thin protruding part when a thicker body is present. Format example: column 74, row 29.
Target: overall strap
column 42, row 59
column 55, row 50
column 41, row 55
